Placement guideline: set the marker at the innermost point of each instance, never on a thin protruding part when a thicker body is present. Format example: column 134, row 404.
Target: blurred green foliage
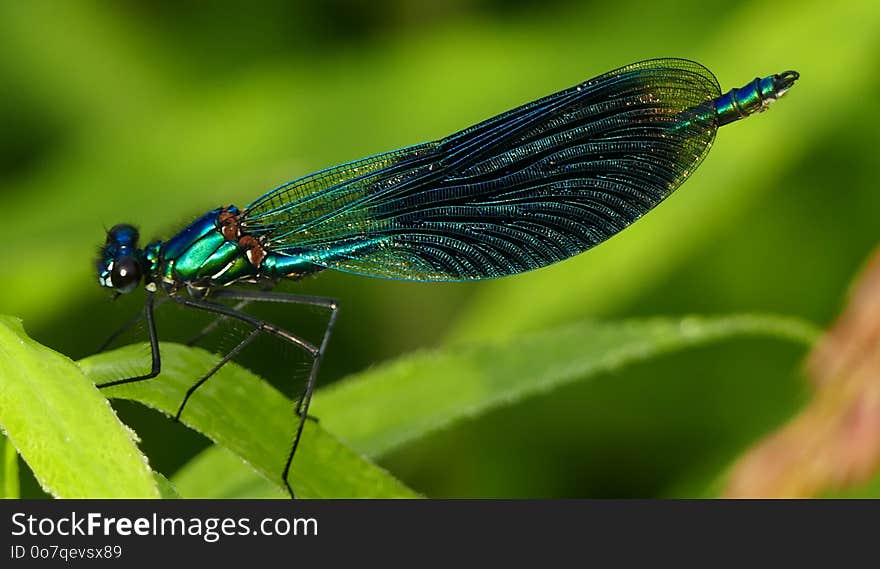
column 152, row 113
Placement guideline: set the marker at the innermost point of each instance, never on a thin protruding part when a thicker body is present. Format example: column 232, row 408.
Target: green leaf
column 9, row 487
column 62, row 426
column 198, row 478
column 166, row 488
column 392, row 404
column 245, row 414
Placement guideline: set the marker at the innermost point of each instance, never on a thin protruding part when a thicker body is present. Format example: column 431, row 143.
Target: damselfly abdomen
column 520, row 191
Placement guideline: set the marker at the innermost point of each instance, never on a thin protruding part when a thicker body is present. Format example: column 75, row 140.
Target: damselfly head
column 120, row 264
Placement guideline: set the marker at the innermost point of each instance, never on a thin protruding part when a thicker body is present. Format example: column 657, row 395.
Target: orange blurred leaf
column 835, row 441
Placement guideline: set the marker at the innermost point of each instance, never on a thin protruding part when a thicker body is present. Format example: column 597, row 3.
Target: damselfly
column 520, row 191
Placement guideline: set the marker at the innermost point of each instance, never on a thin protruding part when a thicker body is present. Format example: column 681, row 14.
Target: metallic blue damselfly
column 520, row 191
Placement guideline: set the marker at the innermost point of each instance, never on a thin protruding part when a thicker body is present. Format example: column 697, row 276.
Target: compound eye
column 126, row 274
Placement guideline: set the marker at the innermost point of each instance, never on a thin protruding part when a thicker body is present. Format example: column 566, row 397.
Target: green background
column 155, row 112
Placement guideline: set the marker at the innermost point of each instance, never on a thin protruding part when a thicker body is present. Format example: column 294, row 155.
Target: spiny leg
column 232, row 353
column 212, row 325
column 302, row 410
column 128, row 325
column 156, row 361
column 285, row 298
column 261, row 326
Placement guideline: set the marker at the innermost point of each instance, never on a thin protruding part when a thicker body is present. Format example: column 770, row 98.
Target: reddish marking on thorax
column 231, row 231
column 252, row 250
column 228, row 223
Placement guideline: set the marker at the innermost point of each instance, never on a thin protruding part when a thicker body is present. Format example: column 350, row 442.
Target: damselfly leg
column 156, row 360
column 316, row 352
column 129, row 324
column 212, row 325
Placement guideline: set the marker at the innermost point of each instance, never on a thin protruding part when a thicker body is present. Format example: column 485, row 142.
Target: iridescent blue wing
column 520, row 191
